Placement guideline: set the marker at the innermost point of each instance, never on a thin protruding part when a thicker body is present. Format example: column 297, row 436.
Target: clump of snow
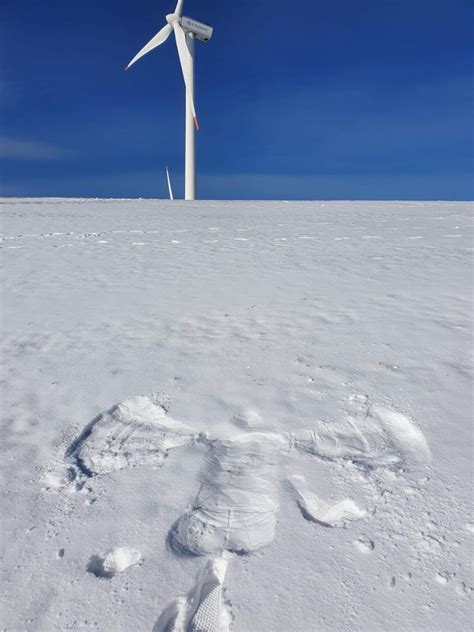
column 115, row 561
column 330, row 515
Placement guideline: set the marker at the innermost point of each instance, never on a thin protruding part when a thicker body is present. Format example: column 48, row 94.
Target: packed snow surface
column 236, row 416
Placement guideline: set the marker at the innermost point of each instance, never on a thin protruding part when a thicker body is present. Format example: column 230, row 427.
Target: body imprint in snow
column 237, row 502
column 236, row 505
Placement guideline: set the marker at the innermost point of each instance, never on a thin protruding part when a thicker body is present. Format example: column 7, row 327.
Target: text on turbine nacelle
column 202, row 31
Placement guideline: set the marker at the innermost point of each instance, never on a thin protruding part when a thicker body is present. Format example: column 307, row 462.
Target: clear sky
column 341, row 99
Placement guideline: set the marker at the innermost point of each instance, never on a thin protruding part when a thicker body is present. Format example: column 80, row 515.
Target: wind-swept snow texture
column 244, row 416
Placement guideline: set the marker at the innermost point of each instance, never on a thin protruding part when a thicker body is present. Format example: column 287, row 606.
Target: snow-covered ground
column 285, row 442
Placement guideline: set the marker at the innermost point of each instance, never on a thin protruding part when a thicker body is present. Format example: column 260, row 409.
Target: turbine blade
column 170, row 190
column 159, row 38
column 179, row 8
column 184, row 55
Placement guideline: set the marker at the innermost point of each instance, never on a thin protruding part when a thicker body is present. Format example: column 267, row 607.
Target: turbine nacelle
column 200, row 30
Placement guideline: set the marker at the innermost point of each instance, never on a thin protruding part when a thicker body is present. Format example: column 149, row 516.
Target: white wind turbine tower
column 185, row 31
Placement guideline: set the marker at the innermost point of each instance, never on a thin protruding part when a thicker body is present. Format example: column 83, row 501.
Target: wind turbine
column 185, row 31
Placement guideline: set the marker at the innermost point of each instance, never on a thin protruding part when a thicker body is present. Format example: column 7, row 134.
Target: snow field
column 286, row 436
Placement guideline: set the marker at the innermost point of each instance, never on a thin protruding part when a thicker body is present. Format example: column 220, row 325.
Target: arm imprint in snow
column 380, row 438
column 137, row 432
column 235, row 508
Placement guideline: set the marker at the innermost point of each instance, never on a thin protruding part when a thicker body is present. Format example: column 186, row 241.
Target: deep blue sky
column 335, row 99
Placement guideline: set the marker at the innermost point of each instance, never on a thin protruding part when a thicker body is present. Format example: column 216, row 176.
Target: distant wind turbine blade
column 179, row 8
column 159, row 38
column 185, row 66
column 170, row 190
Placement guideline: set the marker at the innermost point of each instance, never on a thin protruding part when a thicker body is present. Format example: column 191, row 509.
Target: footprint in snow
column 364, row 546
column 444, row 577
column 202, row 609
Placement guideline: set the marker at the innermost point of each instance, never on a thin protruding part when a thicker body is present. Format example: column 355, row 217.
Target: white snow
column 167, row 368
column 136, row 432
column 115, row 561
column 314, row 508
